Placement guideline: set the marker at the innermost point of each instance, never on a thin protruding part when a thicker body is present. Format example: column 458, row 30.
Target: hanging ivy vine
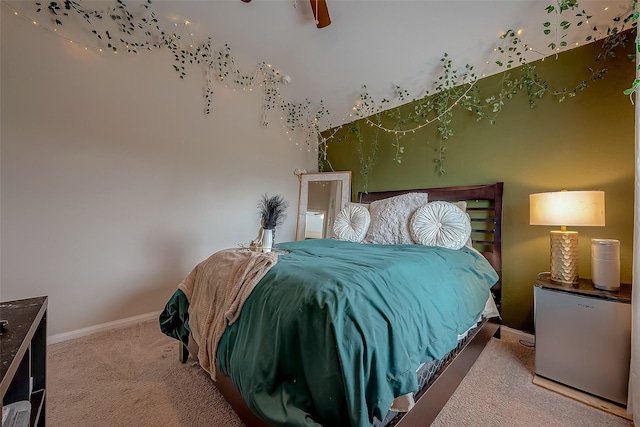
column 452, row 90
column 455, row 91
column 636, row 82
column 142, row 30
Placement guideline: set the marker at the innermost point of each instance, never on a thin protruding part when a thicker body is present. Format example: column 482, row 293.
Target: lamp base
column 564, row 256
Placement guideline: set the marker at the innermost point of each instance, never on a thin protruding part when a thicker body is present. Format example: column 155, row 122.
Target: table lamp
column 566, row 208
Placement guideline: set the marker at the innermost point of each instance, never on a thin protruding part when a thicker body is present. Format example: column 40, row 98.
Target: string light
column 247, row 82
column 299, row 117
column 53, row 31
column 428, row 122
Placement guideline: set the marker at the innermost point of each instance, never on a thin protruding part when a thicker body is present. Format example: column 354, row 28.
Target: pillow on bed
column 461, row 204
column 390, row 218
column 363, row 205
column 352, row 223
column 441, row 224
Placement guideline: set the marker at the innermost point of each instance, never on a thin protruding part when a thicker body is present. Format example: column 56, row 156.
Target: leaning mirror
column 322, row 197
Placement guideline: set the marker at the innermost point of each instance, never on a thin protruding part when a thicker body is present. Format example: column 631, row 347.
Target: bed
column 336, row 332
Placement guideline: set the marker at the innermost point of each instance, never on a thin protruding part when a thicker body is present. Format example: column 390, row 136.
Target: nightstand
column 583, row 336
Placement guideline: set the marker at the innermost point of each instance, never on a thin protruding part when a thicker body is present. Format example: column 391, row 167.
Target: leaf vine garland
column 453, row 90
column 635, row 85
column 142, row 30
column 613, row 37
column 136, row 31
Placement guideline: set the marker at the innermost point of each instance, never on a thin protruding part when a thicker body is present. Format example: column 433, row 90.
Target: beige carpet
column 132, row 377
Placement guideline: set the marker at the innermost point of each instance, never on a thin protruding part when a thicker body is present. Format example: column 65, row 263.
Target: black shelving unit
column 23, row 353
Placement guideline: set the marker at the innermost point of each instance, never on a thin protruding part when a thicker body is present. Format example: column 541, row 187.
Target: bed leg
column 184, row 353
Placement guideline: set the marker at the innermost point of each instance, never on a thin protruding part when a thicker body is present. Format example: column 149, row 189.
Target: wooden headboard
column 484, row 206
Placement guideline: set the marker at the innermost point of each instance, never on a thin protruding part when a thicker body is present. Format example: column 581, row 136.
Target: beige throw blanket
column 216, row 289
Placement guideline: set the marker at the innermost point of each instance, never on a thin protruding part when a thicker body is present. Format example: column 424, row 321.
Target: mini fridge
column 583, row 341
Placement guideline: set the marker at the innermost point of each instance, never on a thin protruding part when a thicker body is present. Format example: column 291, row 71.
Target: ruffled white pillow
column 440, row 224
column 390, row 218
column 352, row 223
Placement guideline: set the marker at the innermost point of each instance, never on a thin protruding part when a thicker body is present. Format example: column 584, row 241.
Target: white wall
column 114, row 184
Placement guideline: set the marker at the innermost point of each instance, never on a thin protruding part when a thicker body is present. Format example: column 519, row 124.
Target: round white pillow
column 440, row 224
column 352, row 223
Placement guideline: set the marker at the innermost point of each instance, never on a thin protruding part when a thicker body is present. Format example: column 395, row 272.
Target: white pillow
column 364, row 205
column 461, row 204
column 390, row 218
column 352, row 223
column 441, row 224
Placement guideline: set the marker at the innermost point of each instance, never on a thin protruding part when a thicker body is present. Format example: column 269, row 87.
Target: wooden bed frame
column 484, row 205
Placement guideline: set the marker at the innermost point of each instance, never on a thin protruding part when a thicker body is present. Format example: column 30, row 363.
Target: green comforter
column 336, row 330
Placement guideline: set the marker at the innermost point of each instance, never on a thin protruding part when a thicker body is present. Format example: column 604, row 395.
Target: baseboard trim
column 517, row 334
column 587, row 399
column 54, row 339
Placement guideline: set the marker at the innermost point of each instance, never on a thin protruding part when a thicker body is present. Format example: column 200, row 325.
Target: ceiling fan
column 320, row 12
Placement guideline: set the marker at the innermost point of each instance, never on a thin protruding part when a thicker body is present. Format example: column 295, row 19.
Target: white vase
column 267, row 240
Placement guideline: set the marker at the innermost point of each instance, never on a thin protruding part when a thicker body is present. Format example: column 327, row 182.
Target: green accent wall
column 583, row 143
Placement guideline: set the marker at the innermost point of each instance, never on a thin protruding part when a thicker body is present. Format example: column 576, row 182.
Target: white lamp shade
column 567, row 208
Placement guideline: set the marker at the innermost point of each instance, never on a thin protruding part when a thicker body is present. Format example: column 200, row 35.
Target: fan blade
column 320, row 13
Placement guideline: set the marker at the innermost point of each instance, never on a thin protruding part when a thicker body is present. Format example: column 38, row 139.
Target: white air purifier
column 605, row 264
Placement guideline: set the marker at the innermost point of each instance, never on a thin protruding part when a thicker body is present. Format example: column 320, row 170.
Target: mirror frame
column 303, row 195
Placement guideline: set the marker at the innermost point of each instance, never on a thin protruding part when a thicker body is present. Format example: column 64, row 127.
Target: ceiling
column 379, row 44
